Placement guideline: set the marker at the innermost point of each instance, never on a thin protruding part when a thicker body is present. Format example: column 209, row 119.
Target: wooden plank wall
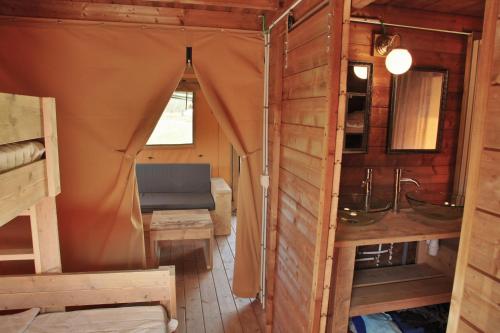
column 476, row 294
column 434, row 171
column 301, row 174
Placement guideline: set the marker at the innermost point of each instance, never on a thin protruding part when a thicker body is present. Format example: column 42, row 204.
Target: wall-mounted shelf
column 395, row 288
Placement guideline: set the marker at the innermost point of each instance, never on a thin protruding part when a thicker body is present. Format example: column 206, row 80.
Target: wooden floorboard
column 205, row 302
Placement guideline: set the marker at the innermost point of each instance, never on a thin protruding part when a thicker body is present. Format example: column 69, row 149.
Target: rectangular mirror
column 359, row 78
column 417, row 110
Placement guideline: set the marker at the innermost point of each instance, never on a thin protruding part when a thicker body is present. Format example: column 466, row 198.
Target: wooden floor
column 205, row 299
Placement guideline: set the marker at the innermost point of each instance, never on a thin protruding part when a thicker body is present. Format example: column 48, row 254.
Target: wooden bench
column 174, row 225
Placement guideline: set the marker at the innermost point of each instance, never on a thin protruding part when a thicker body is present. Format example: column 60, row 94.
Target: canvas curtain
column 111, row 84
column 229, row 68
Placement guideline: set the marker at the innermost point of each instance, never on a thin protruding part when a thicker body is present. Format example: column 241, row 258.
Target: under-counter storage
column 391, row 288
column 399, row 287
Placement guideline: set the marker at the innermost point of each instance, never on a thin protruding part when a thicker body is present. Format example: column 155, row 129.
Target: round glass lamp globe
column 398, row 61
column 361, row 72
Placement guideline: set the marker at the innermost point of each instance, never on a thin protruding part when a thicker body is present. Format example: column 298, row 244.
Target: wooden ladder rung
column 16, row 254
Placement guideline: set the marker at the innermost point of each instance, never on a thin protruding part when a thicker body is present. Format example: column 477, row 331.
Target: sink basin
column 436, row 205
column 353, row 209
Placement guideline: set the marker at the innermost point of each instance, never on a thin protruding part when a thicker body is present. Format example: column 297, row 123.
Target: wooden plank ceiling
column 234, row 14
column 458, row 7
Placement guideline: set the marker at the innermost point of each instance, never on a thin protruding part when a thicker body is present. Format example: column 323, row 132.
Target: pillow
column 19, row 322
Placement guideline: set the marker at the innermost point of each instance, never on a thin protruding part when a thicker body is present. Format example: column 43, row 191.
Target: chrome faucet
column 367, row 185
column 398, row 179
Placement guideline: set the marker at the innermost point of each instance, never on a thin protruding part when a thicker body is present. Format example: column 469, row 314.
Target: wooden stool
column 181, row 225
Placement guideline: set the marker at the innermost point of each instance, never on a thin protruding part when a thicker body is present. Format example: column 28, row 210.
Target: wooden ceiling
column 458, row 7
column 228, row 14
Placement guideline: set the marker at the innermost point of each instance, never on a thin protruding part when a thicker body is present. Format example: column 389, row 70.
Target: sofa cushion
column 172, row 201
column 169, row 178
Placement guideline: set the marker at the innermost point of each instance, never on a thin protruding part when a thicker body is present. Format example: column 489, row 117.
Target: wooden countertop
column 406, row 226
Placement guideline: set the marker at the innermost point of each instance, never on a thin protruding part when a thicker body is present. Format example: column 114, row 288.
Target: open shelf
column 396, row 288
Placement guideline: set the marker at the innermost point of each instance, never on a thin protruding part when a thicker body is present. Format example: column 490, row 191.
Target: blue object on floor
column 405, row 327
column 359, row 324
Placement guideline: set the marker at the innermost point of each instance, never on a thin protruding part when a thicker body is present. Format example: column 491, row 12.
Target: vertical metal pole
column 265, row 169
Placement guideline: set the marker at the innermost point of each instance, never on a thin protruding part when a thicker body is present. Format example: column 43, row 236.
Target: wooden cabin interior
column 250, row 166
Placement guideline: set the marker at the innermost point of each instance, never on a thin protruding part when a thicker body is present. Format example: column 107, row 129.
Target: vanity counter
column 391, row 288
column 406, row 226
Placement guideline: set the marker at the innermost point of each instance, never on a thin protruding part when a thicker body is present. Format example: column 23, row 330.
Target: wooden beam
column 109, row 12
column 421, row 18
column 79, row 289
column 254, row 4
column 358, row 4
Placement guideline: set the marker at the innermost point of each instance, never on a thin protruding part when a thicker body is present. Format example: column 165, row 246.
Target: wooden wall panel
column 434, row 171
column 475, row 305
column 303, row 154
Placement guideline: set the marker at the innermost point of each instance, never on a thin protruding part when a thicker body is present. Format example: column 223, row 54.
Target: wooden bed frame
column 31, row 189
column 25, row 118
column 55, row 291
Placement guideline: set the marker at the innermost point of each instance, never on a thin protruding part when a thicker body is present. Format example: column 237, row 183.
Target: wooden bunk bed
column 29, row 186
column 54, row 291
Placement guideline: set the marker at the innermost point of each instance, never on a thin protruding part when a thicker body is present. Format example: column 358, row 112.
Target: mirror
column 417, row 110
column 359, row 78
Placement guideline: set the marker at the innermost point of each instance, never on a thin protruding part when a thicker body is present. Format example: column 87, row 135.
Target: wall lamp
column 398, row 60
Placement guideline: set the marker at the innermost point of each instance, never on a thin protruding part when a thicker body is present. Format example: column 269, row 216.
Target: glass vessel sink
column 359, row 210
column 436, row 205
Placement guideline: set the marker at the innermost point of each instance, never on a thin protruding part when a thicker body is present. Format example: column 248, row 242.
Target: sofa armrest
column 218, row 186
column 221, row 216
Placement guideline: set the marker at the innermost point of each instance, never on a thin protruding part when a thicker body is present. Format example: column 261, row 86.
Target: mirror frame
column 442, row 109
column 368, row 109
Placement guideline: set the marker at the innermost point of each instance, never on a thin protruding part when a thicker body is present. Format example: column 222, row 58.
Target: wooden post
column 340, row 299
column 45, row 235
column 48, row 106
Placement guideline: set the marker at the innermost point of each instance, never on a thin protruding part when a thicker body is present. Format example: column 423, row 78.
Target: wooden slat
column 20, row 118
column 21, row 188
column 307, row 112
column 255, row 4
column 305, row 194
column 307, row 56
column 421, row 18
column 16, row 254
column 308, row 140
column 386, row 275
column 302, row 165
column 402, row 295
column 486, row 250
column 489, row 182
column 308, row 30
column 482, row 306
column 312, row 83
column 76, row 289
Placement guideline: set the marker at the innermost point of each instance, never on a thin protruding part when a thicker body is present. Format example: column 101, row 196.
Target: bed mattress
column 132, row 319
column 14, row 155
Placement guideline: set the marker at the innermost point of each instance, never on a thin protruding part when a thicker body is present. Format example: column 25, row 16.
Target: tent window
column 176, row 124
